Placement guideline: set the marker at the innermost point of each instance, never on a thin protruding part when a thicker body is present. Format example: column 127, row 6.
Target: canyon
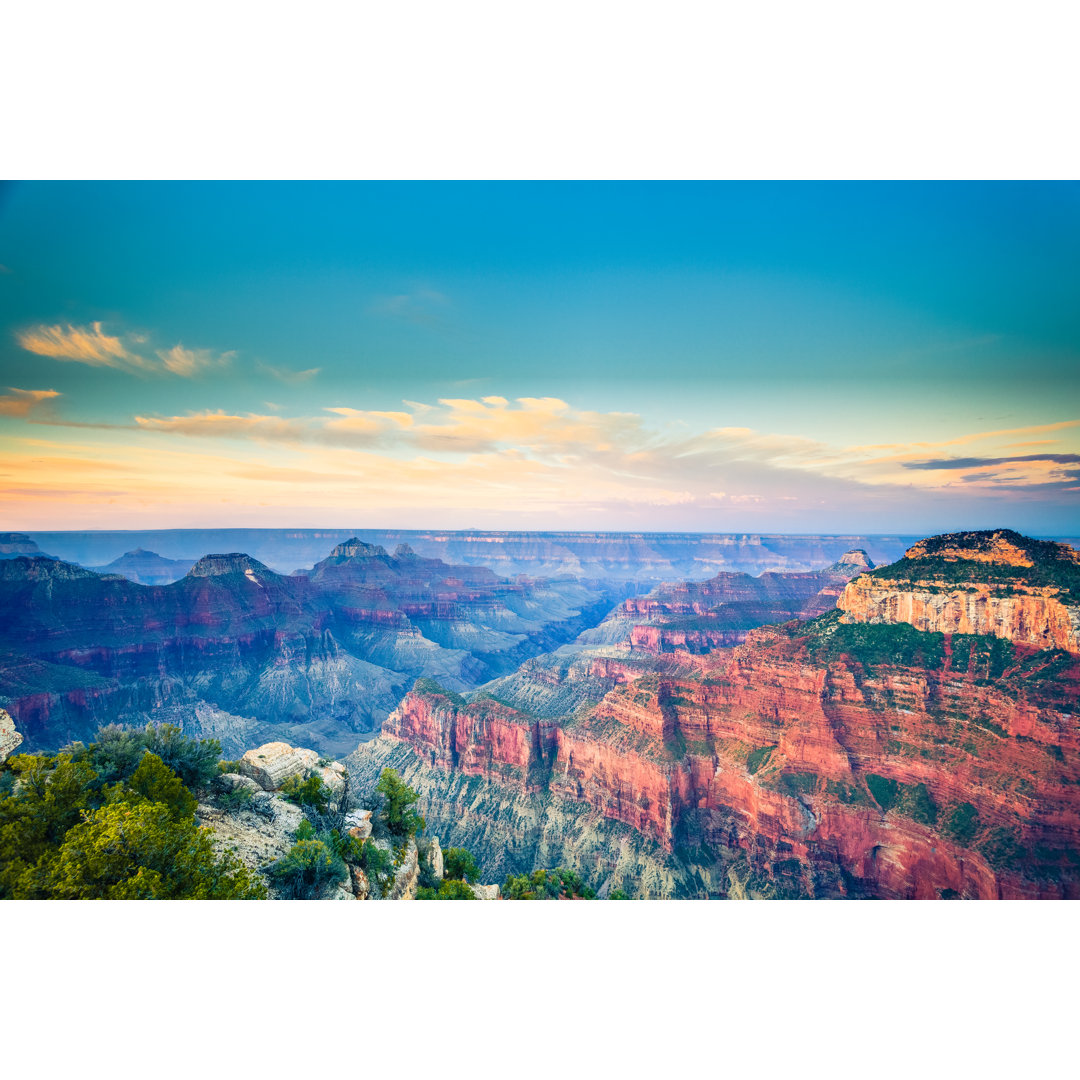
column 839, row 756
column 904, row 730
column 237, row 652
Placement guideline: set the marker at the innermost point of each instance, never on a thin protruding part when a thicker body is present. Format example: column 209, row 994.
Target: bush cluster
column 115, row 820
column 557, row 884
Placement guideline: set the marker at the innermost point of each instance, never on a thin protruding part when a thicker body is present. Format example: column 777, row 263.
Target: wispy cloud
column 91, row 345
column 550, row 430
column 83, row 344
column 222, row 425
column 287, row 375
column 946, row 464
column 426, row 307
column 21, row 402
column 188, row 362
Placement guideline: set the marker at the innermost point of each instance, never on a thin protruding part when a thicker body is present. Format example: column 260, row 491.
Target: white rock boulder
column 435, row 857
column 358, row 822
column 332, row 775
column 271, row 764
column 9, row 737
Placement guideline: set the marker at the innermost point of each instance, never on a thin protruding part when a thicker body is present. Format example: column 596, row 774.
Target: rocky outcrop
column 358, row 823
column 256, row 838
column 14, row 544
column 273, row 763
column 406, row 874
column 235, row 563
column 10, row 739
column 483, row 738
column 994, row 583
column 432, row 852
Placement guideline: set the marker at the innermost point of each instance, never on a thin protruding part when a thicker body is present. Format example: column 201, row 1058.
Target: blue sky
column 865, row 357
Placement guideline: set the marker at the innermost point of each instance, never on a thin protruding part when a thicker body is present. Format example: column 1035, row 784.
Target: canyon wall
column 832, row 757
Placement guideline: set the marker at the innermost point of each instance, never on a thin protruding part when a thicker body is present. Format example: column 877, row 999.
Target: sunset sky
column 780, row 357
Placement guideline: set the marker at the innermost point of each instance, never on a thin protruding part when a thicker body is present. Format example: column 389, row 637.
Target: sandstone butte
column 921, row 742
column 999, row 584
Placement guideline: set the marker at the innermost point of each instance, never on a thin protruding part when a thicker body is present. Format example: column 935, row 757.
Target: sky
column 717, row 357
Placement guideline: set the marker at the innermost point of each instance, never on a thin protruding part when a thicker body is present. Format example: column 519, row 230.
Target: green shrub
column 796, row 784
column 374, row 861
column 557, row 884
column 235, row 799
column 113, row 821
column 307, row 871
column 962, row 824
column 155, row 782
column 915, row 802
column 401, row 820
column 142, row 852
column 851, row 794
column 193, row 760
column 451, row 889
column 873, row 644
column 758, row 757
column 1002, row 849
column 617, row 894
column 883, row 789
column 460, row 865
column 680, row 702
column 309, row 792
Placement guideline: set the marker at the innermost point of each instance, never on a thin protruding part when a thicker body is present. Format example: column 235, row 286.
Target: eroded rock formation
column 240, row 653
column 827, row 757
column 996, row 583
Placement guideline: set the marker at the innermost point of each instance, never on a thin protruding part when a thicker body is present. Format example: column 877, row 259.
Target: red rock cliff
column 999, row 583
column 825, row 758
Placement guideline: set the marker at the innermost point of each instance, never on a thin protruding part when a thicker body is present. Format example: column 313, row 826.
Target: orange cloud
column 83, row 344
column 21, row 402
column 188, row 362
column 223, row 425
column 91, row 345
